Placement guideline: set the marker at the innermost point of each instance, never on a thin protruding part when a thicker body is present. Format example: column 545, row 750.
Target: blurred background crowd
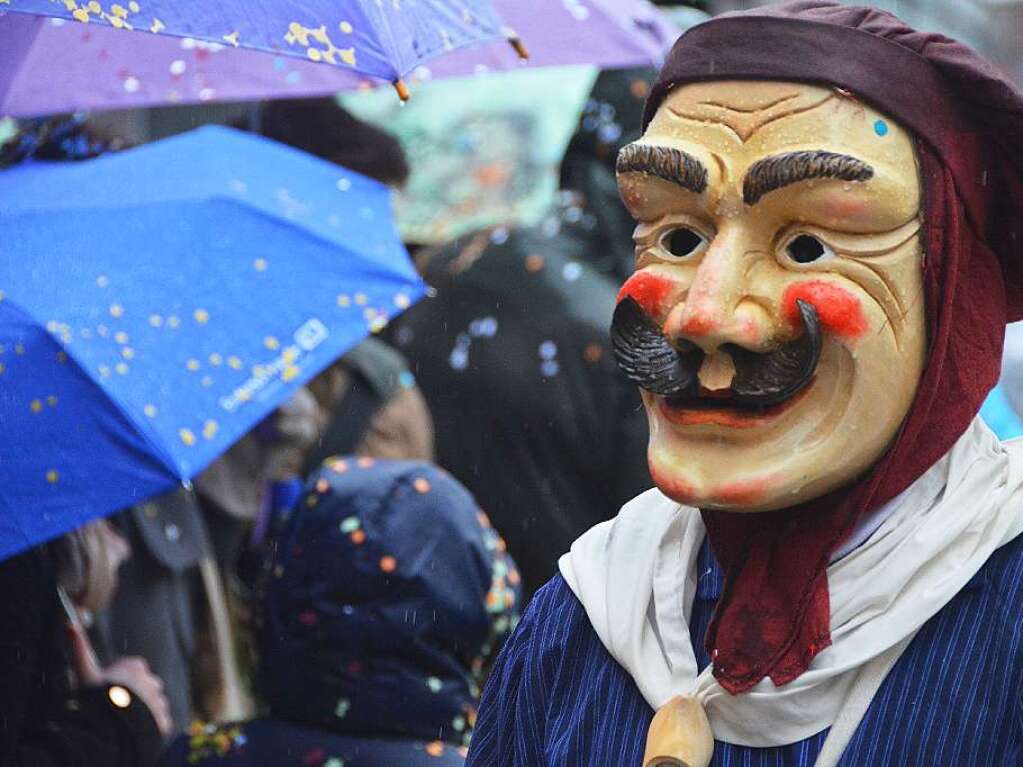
column 329, row 583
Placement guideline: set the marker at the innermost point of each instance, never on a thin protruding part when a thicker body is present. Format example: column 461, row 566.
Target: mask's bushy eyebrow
column 667, row 163
column 778, row 171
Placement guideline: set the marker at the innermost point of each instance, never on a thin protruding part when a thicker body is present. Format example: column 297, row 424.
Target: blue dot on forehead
column 881, row 128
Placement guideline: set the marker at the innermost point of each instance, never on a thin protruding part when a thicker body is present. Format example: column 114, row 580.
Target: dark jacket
column 152, row 613
column 512, row 354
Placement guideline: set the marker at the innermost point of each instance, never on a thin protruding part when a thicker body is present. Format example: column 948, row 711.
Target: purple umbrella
column 102, row 68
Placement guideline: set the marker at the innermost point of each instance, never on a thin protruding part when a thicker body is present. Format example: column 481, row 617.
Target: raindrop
column 459, row 359
column 572, row 271
column 484, row 327
column 550, row 227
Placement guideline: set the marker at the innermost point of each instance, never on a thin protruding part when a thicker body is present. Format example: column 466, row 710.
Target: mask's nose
column 708, row 314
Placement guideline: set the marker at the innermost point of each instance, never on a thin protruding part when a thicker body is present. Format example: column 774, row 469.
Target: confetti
column 435, row 748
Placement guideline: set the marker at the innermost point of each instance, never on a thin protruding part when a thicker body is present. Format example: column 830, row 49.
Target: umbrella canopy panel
column 381, row 39
column 67, row 455
column 104, row 68
column 197, row 282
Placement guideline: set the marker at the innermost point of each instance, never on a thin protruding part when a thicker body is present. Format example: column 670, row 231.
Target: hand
column 132, row 672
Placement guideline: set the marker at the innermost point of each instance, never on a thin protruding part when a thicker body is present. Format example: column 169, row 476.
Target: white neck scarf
column 635, row 576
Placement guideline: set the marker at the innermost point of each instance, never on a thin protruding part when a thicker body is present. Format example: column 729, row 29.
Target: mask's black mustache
column 647, row 358
column 769, row 379
column 650, row 361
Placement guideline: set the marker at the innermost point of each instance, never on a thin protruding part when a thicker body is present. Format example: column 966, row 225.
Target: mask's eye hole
column 807, row 249
column 683, row 242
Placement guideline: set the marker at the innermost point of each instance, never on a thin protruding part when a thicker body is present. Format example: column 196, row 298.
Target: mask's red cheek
column 839, row 310
column 648, row 290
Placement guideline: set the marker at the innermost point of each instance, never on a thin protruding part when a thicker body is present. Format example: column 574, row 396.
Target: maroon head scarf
column 774, row 614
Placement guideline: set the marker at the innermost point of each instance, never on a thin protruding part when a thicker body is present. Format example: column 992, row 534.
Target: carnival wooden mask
column 775, row 320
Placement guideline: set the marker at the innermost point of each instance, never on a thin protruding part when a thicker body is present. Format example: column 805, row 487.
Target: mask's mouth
column 763, row 382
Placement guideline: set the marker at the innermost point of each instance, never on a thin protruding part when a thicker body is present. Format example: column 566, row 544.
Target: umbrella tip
column 402, row 89
column 516, row 42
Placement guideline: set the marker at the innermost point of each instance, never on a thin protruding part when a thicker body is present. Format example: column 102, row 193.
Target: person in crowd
column 369, row 400
column 363, row 403
column 829, row 570
column 58, row 706
column 388, row 591
column 512, row 356
column 239, row 488
column 171, row 609
column 321, row 127
column 373, row 408
column 151, row 614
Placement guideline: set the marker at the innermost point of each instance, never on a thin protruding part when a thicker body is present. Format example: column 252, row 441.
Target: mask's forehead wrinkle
column 744, row 107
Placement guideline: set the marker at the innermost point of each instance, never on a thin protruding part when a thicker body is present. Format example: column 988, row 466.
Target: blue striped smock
column 557, row 698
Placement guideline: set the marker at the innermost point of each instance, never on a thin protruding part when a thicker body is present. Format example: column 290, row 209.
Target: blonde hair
column 87, row 562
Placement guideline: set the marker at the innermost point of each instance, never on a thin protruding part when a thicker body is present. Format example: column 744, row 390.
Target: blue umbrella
column 157, row 303
column 379, row 38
